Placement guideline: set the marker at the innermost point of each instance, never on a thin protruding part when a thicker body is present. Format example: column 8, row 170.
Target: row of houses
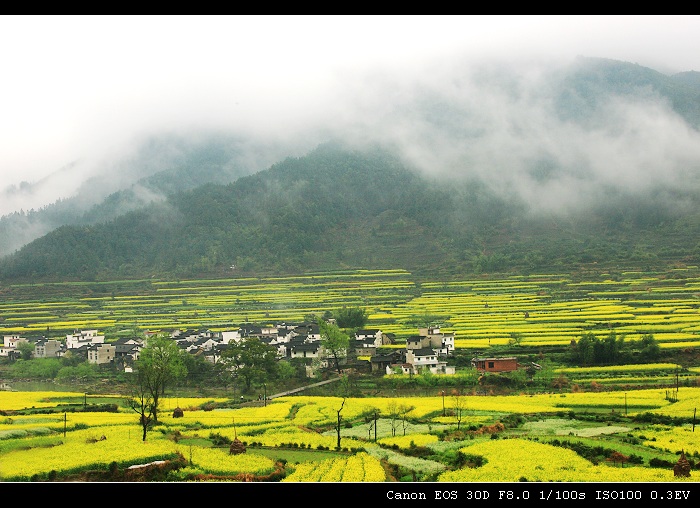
column 86, row 343
column 428, row 350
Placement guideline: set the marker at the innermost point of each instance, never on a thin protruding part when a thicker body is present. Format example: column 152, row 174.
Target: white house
column 426, row 358
column 228, row 336
column 10, row 343
column 83, row 337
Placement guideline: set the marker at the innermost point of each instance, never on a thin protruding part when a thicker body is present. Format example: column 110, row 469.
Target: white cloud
column 86, row 87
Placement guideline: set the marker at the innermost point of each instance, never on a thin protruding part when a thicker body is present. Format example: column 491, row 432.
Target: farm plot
column 49, row 445
column 538, row 310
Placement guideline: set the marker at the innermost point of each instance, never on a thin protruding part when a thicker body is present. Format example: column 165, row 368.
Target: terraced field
column 44, row 436
column 540, row 310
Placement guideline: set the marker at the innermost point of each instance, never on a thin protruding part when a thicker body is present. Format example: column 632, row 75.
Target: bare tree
column 459, row 405
column 142, row 402
column 403, row 412
column 337, row 425
column 393, row 408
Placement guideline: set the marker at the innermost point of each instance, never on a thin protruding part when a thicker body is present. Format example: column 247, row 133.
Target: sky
column 89, row 87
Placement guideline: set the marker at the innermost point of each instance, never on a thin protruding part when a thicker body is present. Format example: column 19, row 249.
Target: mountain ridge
column 385, row 197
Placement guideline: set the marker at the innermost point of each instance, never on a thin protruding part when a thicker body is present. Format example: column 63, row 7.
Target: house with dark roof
column 382, row 364
column 304, row 349
column 100, row 354
column 310, row 330
column 443, row 343
column 48, row 348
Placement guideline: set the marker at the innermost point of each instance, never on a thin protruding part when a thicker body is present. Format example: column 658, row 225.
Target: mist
column 461, row 97
column 505, row 126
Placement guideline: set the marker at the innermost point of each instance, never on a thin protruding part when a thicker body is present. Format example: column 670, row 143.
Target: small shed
column 508, row 364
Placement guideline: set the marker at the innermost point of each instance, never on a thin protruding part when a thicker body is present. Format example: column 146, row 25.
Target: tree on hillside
column 334, row 341
column 618, row 458
column 583, row 349
column 160, row 363
column 250, row 360
column 516, row 338
column 649, row 349
column 613, row 347
column 351, row 317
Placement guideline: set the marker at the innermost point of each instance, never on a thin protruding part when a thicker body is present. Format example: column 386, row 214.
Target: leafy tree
column 334, row 341
column 516, row 338
column 160, row 363
column 590, row 350
column 598, row 351
column 584, row 354
column 650, row 349
column 26, row 350
column 250, row 360
column 351, row 317
column 613, row 347
column 72, row 360
column 199, row 370
column 286, row 371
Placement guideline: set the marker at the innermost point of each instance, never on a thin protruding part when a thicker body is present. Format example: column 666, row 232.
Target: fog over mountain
column 556, row 131
column 553, row 136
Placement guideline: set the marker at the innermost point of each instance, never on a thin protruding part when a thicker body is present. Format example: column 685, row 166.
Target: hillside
column 565, row 174
column 336, row 208
column 161, row 167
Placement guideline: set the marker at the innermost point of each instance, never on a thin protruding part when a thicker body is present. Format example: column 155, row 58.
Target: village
column 428, row 350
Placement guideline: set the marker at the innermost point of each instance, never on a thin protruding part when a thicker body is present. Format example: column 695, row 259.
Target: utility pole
column 375, row 426
column 694, row 412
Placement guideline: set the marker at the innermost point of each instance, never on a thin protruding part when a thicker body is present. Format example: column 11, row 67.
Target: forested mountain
column 336, row 208
column 577, row 181
column 162, row 166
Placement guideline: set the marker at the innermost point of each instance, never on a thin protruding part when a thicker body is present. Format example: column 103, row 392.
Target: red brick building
column 495, row 364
